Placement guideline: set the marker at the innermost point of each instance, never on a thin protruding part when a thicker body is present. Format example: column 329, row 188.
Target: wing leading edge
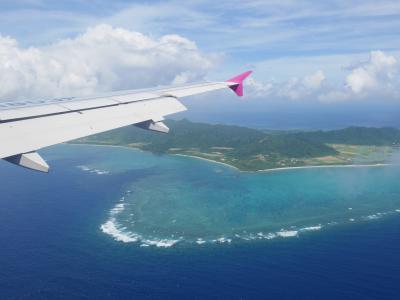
column 26, row 127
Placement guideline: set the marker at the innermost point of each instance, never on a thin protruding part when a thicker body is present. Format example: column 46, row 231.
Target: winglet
column 238, row 87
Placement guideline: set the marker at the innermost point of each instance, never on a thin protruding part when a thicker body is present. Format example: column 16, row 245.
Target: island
column 249, row 149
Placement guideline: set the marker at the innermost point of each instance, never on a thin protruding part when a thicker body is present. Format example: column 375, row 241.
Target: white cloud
column 314, row 81
column 101, row 59
column 376, row 73
column 256, row 89
column 369, row 79
column 293, row 89
column 300, row 88
column 107, row 58
column 372, row 78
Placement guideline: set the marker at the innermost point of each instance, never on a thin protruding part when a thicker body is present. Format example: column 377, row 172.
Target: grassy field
column 347, row 155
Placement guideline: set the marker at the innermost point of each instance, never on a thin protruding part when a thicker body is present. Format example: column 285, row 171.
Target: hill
column 252, row 149
column 386, row 136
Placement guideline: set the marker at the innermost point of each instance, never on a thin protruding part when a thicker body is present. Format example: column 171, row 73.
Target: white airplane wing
column 28, row 126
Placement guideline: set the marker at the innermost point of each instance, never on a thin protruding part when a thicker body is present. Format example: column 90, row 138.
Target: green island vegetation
column 252, row 149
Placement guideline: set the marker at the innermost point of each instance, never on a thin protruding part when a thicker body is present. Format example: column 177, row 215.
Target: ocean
column 116, row 223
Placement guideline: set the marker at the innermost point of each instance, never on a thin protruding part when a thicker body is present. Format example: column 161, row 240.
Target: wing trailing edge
column 27, row 126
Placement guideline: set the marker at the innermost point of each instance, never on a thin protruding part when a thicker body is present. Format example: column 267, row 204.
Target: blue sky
column 248, row 32
column 327, row 53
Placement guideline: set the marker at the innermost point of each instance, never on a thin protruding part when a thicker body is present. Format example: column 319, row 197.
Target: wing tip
column 237, row 87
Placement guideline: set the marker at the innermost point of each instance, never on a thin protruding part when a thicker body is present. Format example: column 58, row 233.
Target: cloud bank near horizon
column 373, row 78
column 106, row 58
column 101, row 59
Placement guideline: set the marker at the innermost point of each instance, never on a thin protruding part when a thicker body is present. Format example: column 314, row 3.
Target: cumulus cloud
column 293, row 89
column 298, row 88
column 101, row 59
column 106, row 58
column 377, row 72
column 255, row 88
column 373, row 78
column 314, row 81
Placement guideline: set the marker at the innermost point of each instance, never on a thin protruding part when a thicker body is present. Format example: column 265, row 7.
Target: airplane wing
column 27, row 126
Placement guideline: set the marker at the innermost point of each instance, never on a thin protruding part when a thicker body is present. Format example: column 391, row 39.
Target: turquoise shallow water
column 53, row 245
column 180, row 200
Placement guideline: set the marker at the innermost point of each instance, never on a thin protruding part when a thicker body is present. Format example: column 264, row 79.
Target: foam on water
column 163, row 243
column 167, row 204
column 222, row 240
column 287, row 233
column 200, row 241
column 312, row 228
column 94, row 170
column 112, row 228
column 122, row 234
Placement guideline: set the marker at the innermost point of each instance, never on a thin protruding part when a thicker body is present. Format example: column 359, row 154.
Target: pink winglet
column 238, row 88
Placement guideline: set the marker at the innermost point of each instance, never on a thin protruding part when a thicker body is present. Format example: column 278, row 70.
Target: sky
column 316, row 63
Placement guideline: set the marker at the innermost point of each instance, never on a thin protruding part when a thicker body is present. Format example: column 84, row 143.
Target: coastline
column 293, row 168
column 237, row 169
column 212, row 161
column 330, row 166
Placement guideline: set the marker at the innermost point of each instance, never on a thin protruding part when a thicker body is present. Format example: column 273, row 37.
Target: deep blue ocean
column 52, row 245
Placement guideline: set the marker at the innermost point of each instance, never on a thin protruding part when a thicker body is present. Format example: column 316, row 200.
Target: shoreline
column 293, row 168
column 237, row 169
column 212, row 161
column 330, row 166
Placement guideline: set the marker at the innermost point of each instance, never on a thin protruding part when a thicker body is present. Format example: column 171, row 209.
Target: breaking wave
column 94, row 170
column 121, row 233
